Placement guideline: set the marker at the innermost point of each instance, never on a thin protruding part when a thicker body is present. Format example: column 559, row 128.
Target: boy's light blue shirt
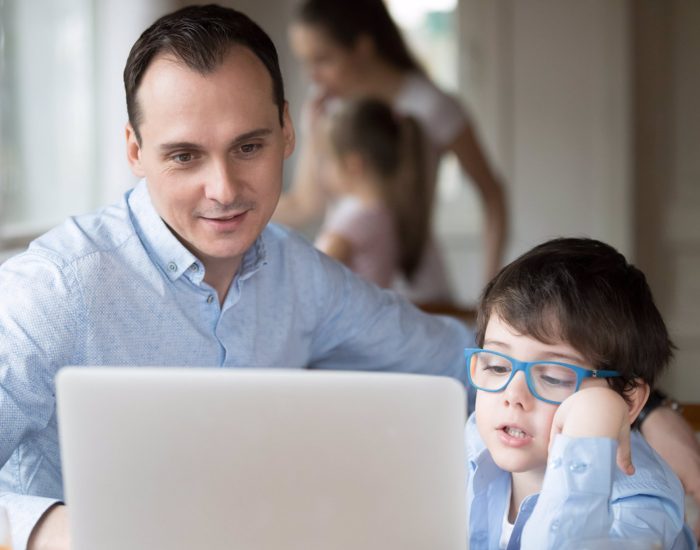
column 584, row 496
column 117, row 288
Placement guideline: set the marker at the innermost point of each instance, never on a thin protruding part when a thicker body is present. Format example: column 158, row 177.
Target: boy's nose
column 517, row 393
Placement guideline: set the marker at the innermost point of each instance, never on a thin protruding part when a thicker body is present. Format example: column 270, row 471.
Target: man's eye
column 250, row 148
column 182, row 157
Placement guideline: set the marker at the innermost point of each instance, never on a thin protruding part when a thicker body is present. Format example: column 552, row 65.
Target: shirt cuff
column 580, row 464
column 24, row 512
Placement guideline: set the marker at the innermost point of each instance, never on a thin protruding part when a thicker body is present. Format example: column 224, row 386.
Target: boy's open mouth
column 514, row 432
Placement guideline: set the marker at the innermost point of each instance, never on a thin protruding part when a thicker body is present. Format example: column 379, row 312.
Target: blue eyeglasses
column 548, row 381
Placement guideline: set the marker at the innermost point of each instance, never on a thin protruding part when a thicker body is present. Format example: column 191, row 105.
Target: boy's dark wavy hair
column 585, row 293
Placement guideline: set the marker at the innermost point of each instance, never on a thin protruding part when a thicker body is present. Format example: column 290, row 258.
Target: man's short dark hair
column 200, row 36
column 585, row 293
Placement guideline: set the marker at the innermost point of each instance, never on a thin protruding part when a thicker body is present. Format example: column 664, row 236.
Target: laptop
column 261, row 459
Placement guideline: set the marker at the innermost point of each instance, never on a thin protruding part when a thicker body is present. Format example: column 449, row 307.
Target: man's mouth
column 223, row 218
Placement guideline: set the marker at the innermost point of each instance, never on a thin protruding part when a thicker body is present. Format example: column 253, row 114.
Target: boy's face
column 514, row 424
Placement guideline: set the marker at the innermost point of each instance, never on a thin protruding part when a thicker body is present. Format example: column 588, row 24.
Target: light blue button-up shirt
column 117, row 288
column 584, row 496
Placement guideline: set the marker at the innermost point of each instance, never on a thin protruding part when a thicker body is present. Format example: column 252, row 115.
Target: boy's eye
column 496, row 369
column 552, row 381
column 553, row 376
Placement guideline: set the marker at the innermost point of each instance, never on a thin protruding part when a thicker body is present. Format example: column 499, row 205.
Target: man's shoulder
column 281, row 241
column 78, row 237
column 292, row 259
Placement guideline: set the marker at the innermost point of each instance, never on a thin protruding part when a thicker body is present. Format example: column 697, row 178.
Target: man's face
column 211, row 150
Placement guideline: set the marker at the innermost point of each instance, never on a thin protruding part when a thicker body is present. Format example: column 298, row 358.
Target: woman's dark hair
column 393, row 148
column 200, row 36
column 346, row 20
column 583, row 292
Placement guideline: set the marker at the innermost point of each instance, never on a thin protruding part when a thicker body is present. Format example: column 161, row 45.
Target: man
column 185, row 270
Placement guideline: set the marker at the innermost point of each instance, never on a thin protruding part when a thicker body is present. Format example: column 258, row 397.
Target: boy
column 570, row 343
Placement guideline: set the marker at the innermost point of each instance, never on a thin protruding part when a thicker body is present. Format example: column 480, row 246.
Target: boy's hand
column 596, row 412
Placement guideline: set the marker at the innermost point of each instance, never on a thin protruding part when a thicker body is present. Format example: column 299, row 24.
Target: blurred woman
column 354, row 49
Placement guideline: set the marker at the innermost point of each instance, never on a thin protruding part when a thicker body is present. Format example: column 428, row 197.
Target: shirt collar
column 169, row 253
column 163, row 247
column 479, row 458
column 254, row 258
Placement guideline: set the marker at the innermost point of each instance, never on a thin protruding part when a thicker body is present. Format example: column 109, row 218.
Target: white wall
column 118, row 25
column 549, row 85
column 667, row 173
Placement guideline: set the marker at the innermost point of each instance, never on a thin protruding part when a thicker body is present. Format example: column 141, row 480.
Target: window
column 47, row 146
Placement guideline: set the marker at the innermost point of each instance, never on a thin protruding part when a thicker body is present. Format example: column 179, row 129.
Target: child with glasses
column 570, row 345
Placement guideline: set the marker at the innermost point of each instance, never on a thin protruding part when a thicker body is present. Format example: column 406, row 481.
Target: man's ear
column 133, row 152
column 288, row 131
column 636, row 398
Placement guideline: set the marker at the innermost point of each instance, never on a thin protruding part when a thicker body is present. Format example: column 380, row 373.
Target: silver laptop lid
column 256, row 459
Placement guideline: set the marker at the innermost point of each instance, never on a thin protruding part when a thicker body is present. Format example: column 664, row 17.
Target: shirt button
column 555, row 525
column 556, row 463
column 172, row 266
column 578, row 467
column 210, row 299
column 194, row 267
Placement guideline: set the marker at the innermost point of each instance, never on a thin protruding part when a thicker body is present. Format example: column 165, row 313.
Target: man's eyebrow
column 260, row 132
column 177, row 145
column 189, row 146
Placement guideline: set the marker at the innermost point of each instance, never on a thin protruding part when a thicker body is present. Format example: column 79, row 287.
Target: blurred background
column 587, row 111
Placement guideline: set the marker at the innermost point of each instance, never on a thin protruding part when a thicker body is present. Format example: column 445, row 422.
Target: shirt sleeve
column 24, row 511
column 37, row 335
column 360, row 326
column 579, row 502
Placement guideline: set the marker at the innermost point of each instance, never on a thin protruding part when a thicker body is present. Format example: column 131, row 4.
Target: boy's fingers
column 557, row 426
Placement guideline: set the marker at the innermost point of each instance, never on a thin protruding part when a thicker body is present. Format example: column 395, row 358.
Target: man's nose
column 221, row 185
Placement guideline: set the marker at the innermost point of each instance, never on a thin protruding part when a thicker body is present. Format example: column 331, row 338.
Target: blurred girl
column 379, row 226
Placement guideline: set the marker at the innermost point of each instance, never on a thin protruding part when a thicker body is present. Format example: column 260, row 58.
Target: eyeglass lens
column 490, row 371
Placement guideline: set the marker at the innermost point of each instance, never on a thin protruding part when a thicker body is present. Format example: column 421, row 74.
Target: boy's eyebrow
column 565, row 357
column 497, row 343
column 550, row 355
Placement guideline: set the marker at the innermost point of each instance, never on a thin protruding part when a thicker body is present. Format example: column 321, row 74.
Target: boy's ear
column 636, row 398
